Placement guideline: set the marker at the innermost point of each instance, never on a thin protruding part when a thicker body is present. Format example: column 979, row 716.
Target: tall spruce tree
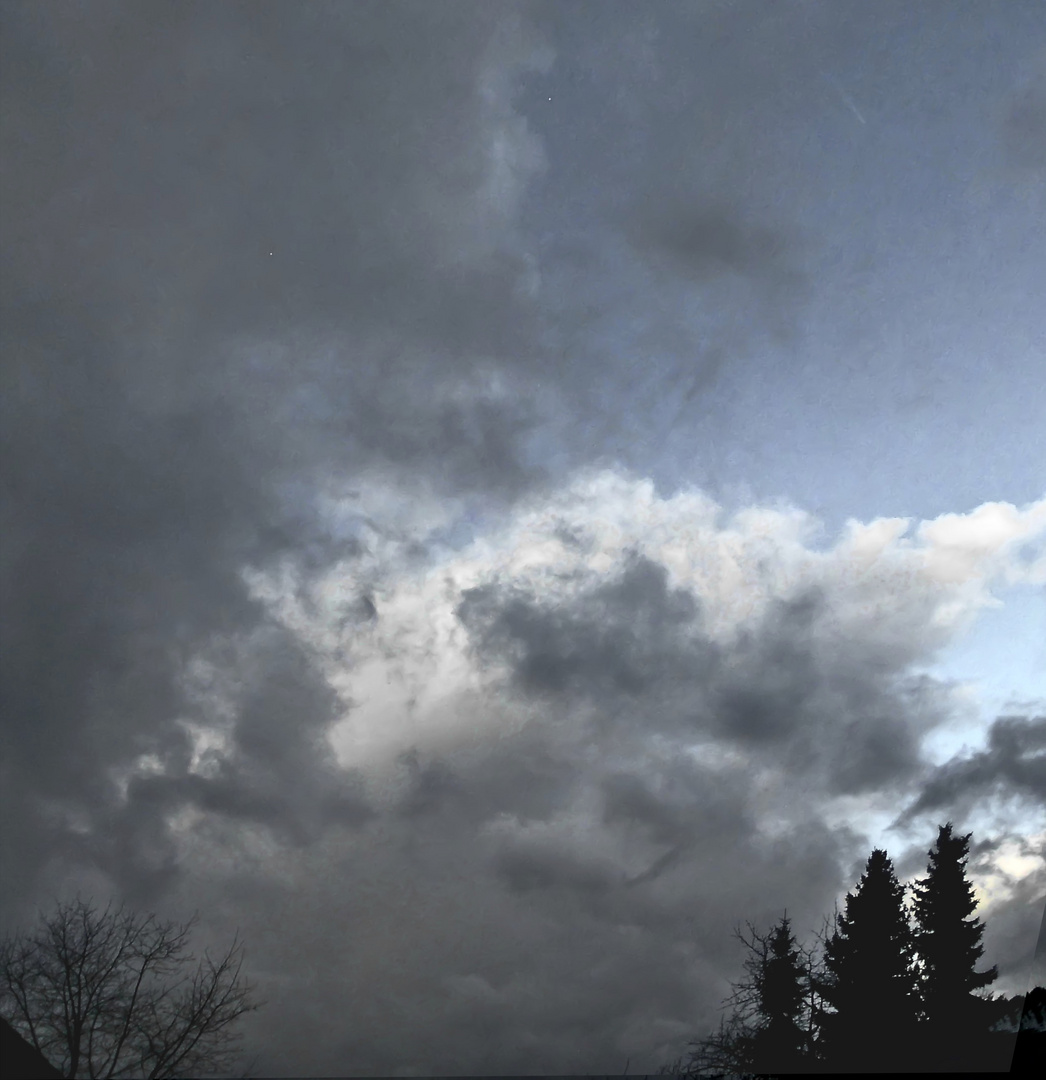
column 947, row 941
column 780, row 1041
column 868, row 980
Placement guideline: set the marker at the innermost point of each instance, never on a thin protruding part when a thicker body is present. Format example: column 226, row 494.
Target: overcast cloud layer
column 488, row 490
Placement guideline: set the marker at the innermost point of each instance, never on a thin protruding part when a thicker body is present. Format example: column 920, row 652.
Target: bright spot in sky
column 1001, row 659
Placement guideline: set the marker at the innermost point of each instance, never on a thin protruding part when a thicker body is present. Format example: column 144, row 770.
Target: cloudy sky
column 494, row 494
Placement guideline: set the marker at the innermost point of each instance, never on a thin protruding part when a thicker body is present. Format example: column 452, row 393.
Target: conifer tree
column 869, row 980
column 779, row 1042
column 947, row 940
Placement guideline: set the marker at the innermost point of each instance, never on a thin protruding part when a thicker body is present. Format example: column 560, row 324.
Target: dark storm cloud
column 637, row 650
column 245, row 248
column 175, row 148
column 536, row 935
column 279, row 773
column 257, row 252
column 620, row 637
column 528, row 776
column 1013, row 763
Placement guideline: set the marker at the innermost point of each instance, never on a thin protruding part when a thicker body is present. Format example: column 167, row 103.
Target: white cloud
column 898, row 599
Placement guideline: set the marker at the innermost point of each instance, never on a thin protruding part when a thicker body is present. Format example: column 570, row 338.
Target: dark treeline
column 893, row 986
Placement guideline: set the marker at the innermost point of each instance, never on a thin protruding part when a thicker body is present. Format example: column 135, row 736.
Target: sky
column 495, row 494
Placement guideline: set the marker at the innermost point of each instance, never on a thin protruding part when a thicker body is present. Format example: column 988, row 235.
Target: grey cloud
column 1014, row 763
column 699, row 816
column 618, row 639
column 750, row 267
column 772, row 671
column 528, row 776
column 551, row 957
column 279, row 774
column 703, row 242
column 173, row 393
column 284, row 708
column 687, row 808
column 620, row 875
column 524, row 870
column 173, row 396
column 184, row 143
column 785, row 689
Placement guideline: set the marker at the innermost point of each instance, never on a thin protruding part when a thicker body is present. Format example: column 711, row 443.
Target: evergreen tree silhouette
column 885, row 996
column 948, row 942
column 868, row 979
column 780, row 1040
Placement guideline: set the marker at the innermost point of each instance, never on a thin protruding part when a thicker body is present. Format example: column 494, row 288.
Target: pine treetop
column 947, row 940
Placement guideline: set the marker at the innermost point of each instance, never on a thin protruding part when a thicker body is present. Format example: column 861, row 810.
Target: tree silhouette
column 868, row 979
column 111, row 993
column 885, row 995
column 947, row 941
column 780, row 1040
column 769, row 1028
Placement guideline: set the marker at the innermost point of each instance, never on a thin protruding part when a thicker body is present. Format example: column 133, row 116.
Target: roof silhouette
column 20, row 1060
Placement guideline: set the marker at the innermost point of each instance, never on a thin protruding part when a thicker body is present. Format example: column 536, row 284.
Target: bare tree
column 112, row 993
column 775, row 1010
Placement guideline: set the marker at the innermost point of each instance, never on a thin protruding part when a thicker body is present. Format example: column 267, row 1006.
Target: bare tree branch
column 111, row 993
